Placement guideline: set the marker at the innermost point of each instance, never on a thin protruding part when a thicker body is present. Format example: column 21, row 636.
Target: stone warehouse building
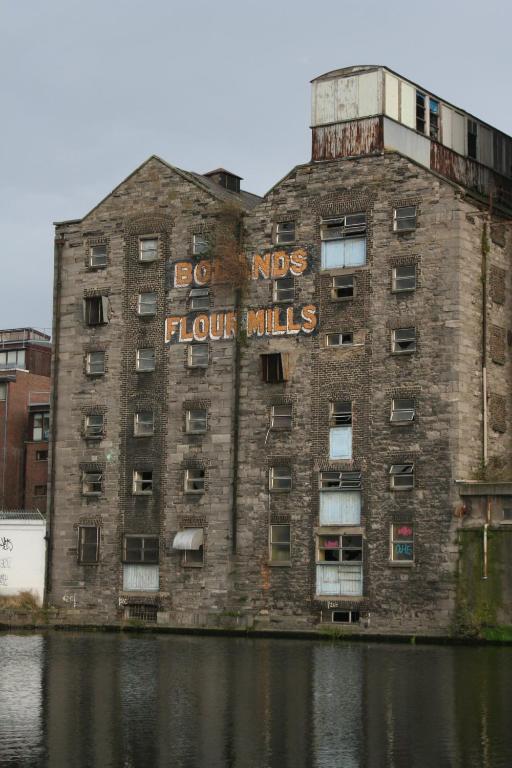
column 291, row 410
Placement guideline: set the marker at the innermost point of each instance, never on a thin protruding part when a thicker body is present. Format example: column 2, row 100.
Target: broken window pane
column 404, row 340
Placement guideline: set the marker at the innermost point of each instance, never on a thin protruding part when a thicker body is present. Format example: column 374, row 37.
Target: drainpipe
column 236, row 421
column 4, row 459
column 486, row 528
column 485, row 250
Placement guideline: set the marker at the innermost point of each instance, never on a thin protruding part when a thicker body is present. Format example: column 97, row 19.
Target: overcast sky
column 90, row 88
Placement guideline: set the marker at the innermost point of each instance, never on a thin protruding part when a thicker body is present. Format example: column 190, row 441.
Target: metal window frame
column 343, row 412
column 341, row 548
column 138, row 366
column 153, row 307
column 289, row 292
column 281, row 236
column 93, row 264
column 191, row 363
column 199, row 298
column 87, row 476
column 188, row 421
column 344, row 339
column 148, row 239
column 343, row 227
column 97, row 430
column 399, row 219
column 343, row 480
column 395, row 279
column 137, row 421
column 143, row 538
column 392, row 541
column 394, row 472
column 88, row 366
column 138, row 480
column 188, row 479
column 273, row 416
column 200, row 244
column 282, row 544
column 81, row 545
column 395, row 342
column 395, row 411
column 334, row 287
column 274, row 476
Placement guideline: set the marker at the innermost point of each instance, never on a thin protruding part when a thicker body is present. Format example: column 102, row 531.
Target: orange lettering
column 171, row 327
column 298, row 261
column 261, row 263
column 230, row 325
column 268, row 320
column 201, row 327
column 184, row 334
column 202, row 273
column 309, row 316
column 182, row 273
column 290, row 325
column 216, row 325
column 277, row 329
column 280, row 264
column 255, row 322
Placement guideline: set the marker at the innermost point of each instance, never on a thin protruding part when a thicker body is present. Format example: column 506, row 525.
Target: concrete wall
column 22, row 557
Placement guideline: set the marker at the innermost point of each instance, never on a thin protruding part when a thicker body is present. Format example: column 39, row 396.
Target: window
column 345, row 617
column 404, row 278
column 285, row 232
column 280, row 478
column 195, row 480
column 433, row 110
column 141, row 549
column 198, row 356
column 472, row 138
column 339, row 339
column 142, row 482
column 3, row 391
column 402, row 409
column 15, row 358
column 281, row 416
column 403, row 340
column 94, row 424
column 88, row 544
column 96, row 310
column 92, row 483
column 199, row 245
column 193, row 556
column 148, row 249
column 344, row 241
column 199, row 298
column 41, row 455
column 40, row 426
column 40, row 490
column 340, row 481
column 402, row 542
column 420, row 111
column 339, row 564
column 143, row 423
column 95, row 363
column 280, row 545
column 145, row 359
column 343, row 287
column 404, row 219
column 273, row 368
column 340, row 432
column 401, row 477
column 283, row 290
column 196, row 420
column 507, row 515
column 340, row 498
column 146, row 304
column 98, row 256
column 189, row 542
column 143, row 612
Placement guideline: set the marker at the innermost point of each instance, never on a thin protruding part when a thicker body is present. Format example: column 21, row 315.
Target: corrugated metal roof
column 21, row 514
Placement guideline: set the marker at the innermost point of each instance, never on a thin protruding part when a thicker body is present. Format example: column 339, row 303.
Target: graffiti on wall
column 256, row 322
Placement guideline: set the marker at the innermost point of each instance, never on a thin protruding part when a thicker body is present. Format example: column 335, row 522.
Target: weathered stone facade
column 233, row 504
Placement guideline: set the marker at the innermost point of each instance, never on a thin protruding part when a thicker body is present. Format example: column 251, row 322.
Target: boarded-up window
column 340, row 508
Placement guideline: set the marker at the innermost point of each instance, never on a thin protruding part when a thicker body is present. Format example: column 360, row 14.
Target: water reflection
column 155, row 701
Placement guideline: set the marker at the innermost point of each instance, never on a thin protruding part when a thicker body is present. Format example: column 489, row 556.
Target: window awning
column 190, row 538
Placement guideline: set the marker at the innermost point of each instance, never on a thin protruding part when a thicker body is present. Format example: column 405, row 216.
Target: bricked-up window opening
column 40, row 427
column 142, row 482
column 141, row 549
column 143, row 423
column 41, row 455
column 196, row 420
column 3, row 391
column 339, row 339
column 344, row 241
column 345, row 617
column 343, row 287
column 280, row 478
column 403, row 409
column 98, row 256
column 146, row 304
column 143, row 612
column 94, row 425
column 404, row 219
column 199, row 298
column 274, row 368
column 193, row 556
column 401, row 477
column 285, row 232
column 148, row 249
column 420, row 111
column 283, row 290
column 197, row 356
column 281, row 416
column 200, row 245
column 404, row 278
column 195, row 480
column 15, row 358
column 280, row 544
column 472, row 138
column 403, row 340
column 433, row 111
column 92, row 483
column 341, row 481
column 88, row 544
column 145, row 359
column 96, row 310
column 95, row 363
column 340, row 432
column 40, row 490
column 402, row 542
column 339, row 569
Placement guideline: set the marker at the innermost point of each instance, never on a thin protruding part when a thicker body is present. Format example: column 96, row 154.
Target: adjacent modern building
column 293, row 410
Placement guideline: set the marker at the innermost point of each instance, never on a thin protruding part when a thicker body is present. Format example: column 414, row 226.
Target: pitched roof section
column 21, row 514
column 247, row 199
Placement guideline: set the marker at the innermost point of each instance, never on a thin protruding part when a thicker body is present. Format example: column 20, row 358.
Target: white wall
column 22, row 557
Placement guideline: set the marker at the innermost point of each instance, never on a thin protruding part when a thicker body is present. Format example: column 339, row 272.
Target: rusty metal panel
column 446, row 125
column 359, row 137
column 407, row 142
column 485, row 148
column 391, row 85
column 323, row 102
column 370, row 94
column 408, row 105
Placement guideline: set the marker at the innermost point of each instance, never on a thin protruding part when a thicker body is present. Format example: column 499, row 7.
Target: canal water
column 153, row 701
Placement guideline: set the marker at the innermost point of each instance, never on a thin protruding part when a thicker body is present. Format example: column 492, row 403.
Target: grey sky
column 89, row 89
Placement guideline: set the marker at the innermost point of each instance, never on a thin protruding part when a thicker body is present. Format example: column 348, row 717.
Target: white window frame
column 89, row 365
column 142, row 486
column 98, row 315
column 338, row 285
column 90, row 480
column 283, row 290
column 403, row 220
column 344, row 230
column 191, row 362
column 285, row 232
column 339, row 339
column 400, row 282
column 143, row 427
column 196, row 425
column 145, row 362
column 94, row 430
column 147, row 307
column 395, row 540
column 96, row 260
column 195, row 476
column 81, row 544
column 200, row 245
column 276, row 545
column 152, row 252
column 199, row 298
column 401, row 413
column 401, row 477
column 280, row 478
column 342, row 565
column 408, row 336
column 340, row 423
column 281, row 421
